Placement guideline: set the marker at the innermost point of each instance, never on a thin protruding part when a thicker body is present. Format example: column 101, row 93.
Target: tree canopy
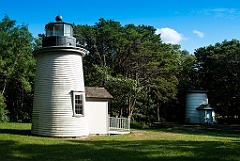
column 218, row 69
column 16, row 69
column 133, row 64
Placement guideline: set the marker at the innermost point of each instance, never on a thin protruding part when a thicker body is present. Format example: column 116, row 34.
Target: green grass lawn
column 17, row 144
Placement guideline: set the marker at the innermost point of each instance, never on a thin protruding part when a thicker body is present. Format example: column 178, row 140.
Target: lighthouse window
column 58, row 30
column 67, row 30
column 78, row 103
column 49, row 30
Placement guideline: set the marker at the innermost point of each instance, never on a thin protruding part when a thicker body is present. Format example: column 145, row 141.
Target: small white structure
column 206, row 114
column 61, row 106
column 97, row 110
column 198, row 111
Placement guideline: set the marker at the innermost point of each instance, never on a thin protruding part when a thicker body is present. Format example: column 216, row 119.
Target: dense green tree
column 219, row 72
column 16, row 68
column 188, row 80
column 132, row 63
column 3, row 111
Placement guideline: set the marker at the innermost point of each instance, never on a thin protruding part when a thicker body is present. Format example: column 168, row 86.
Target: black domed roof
column 59, row 18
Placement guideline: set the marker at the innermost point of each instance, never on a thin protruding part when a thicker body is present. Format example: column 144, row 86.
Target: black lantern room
column 59, row 34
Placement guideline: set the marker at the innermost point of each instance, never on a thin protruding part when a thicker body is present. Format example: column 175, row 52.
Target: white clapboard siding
column 58, row 72
column 193, row 100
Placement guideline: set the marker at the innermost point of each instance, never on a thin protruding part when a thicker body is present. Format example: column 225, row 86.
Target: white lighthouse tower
column 59, row 94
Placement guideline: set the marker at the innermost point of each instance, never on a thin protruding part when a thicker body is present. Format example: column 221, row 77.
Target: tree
column 188, row 80
column 164, row 85
column 3, row 112
column 16, row 67
column 132, row 63
column 219, row 68
column 126, row 92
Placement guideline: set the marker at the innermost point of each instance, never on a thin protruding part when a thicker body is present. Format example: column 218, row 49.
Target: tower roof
column 58, row 18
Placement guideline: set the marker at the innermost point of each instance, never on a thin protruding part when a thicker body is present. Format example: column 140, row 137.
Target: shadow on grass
column 139, row 150
column 210, row 130
column 15, row 131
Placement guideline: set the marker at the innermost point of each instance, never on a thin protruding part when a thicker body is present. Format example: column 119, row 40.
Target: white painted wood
column 119, row 124
column 97, row 115
column 194, row 100
column 59, row 70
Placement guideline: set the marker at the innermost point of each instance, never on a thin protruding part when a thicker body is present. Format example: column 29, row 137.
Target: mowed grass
column 17, row 144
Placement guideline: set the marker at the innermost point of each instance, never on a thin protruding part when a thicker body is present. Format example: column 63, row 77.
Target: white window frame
column 68, row 30
column 82, row 95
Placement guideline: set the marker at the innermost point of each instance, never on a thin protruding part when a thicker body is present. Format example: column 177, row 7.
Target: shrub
column 139, row 125
column 3, row 112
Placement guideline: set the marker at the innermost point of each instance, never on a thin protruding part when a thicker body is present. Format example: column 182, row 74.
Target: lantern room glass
column 68, row 30
column 59, row 29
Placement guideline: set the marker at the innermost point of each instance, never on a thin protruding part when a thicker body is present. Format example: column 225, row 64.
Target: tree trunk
column 159, row 111
column 148, row 104
column 131, row 106
column 120, row 111
column 4, row 86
